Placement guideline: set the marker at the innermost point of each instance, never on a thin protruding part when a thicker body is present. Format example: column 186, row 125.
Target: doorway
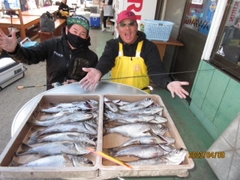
column 193, row 33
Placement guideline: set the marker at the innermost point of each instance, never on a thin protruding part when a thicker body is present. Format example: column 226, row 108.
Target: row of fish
column 142, row 122
column 64, row 137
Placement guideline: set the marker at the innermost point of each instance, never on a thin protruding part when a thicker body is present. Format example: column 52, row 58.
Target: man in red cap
column 133, row 60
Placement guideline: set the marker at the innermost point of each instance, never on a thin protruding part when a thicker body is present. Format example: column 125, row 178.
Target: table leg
column 23, row 33
column 161, row 49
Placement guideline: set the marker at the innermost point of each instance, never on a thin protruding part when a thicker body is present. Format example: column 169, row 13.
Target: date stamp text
column 207, row 154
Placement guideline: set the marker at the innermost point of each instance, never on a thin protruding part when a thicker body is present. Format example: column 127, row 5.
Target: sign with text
column 142, row 8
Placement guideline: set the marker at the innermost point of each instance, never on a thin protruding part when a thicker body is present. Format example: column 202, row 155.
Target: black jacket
column 62, row 62
column 63, row 7
column 149, row 53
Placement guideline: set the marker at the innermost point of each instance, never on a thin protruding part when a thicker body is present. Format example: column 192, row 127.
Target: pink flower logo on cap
column 126, row 14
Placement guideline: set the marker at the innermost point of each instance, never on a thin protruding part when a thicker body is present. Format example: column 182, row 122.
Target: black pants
column 105, row 20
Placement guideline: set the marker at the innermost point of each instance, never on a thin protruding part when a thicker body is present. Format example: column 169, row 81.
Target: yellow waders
column 131, row 70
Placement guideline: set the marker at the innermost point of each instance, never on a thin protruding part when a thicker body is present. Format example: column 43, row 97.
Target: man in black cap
column 65, row 56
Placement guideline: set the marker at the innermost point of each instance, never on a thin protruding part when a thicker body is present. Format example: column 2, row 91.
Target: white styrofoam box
column 83, row 13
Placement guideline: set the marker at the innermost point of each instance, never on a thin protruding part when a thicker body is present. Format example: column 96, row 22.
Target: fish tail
column 106, row 130
column 25, row 148
column 32, row 140
column 14, row 163
column 113, row 151
column 68, row 160
column 36, row 133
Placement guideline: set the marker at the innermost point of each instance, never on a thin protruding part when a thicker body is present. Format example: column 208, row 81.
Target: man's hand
column 9, row 44
column 175, row 87
column 91, row 79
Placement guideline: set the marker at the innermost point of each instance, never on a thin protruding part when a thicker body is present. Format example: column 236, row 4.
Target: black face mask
column 75, row 41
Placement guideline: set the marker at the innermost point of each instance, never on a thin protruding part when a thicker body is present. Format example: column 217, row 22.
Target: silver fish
column 53, row 148
column 138, row 129
column 137, row 105
column 54, row 116
column 149, row 161
column 80, row 127
column 61, row 160
column 92, row 122
column 133, row 118
column 176, row 157
column 65, row 136
column 110, row 105
column 169, row 140
column 71, row 107
column 167, row 148
column 144, row 140
column 120, row 102
column 155, row 109
column 141, row 151
column 70, row 117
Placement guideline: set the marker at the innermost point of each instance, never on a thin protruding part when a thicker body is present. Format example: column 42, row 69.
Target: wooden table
column 40, row 11
column 20, row 23
column 162, row 45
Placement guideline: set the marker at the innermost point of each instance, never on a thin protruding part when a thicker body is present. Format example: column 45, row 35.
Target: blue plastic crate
column 158, row 30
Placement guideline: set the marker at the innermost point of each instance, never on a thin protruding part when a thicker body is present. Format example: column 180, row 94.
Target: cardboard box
column 46, row 172
column 102, row 169
column 113, row 171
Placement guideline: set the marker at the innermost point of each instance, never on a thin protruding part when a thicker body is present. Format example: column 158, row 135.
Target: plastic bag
column 47, row 22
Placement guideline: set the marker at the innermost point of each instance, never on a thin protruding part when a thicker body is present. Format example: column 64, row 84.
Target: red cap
column 126, row 14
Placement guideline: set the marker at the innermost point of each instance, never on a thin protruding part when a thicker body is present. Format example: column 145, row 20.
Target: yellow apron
column 131, row 70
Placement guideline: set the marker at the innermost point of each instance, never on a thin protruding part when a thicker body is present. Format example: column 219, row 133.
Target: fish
column 68, row 118
column 60, row 160
column 137, row 105
column 120, row 102
column 71, row 107
column 138, row 129
column 54, row 116
column 176, row 157
column 169, row 140
column 140, row 151
column 65, row 136
column 151, row 110
column 144, row 140
column 167, row 148
column 92, row 123
column 110, row 105
column 53, row 148
column 146, row 162
column 133, row 118
column 80, row 127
